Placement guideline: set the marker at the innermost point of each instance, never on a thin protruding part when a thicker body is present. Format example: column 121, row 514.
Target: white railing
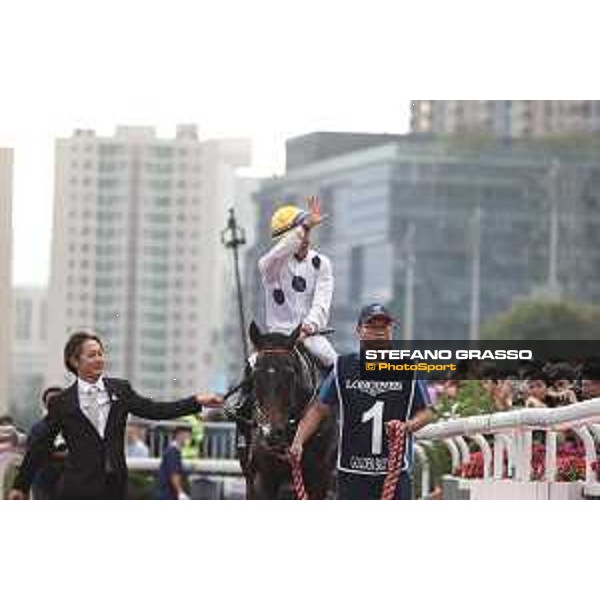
column 199, row 466
column 210, row 479
column 512, row 436
column 216, row 475
column 218, row 450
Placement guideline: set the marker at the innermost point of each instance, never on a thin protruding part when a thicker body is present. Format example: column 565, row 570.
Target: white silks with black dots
column 297, row 291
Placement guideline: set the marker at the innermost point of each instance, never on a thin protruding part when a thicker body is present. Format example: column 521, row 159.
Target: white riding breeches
column 320, row 347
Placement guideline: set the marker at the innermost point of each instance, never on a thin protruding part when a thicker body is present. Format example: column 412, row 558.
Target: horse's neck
column 308, row 367
column 307, row 377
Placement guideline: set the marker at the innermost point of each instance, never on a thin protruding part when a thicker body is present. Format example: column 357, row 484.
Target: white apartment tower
column 6, row 170
column 136, row 254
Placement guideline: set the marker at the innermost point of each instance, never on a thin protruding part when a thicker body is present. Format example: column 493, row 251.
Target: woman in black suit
column 92, row 415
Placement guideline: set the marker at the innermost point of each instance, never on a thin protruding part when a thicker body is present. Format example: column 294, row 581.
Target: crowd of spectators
column 534, row 386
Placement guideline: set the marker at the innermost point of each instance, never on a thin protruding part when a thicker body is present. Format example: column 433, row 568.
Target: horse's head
column 277, row 383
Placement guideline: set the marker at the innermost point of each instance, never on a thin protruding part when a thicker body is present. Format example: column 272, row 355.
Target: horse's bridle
column 261, row 421
column 274, row 350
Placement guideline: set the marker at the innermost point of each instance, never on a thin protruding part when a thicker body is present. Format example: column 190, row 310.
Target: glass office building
column 449, row 231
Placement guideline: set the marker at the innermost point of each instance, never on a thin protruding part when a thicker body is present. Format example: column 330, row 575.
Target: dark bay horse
column 283, row 383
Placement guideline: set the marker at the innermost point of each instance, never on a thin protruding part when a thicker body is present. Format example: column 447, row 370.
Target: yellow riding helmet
column 286, row 218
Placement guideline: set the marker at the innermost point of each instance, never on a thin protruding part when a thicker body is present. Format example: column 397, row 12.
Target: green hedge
column 440, row 464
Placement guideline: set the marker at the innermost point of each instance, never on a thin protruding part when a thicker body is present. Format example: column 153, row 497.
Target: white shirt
column 86, row 392
column 296, row 291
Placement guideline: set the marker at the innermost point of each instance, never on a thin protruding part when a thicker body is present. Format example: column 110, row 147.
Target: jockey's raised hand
column 314, row 210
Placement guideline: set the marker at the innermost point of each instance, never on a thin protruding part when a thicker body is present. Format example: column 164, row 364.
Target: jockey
column 298, row 281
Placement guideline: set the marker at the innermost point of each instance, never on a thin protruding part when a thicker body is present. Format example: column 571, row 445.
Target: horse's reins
column 229, row 412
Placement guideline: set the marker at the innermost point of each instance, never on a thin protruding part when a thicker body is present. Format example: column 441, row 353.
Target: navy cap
column 373, row 310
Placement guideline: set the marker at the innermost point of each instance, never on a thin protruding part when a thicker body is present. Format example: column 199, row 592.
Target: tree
column 545, row 320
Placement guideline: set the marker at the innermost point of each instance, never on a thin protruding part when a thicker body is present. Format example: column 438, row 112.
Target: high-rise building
column 136, row 254
column 506, row 118
column 29, row 352
column 6, row 172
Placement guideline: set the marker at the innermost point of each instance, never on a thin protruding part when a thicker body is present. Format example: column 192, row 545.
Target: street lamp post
column 233, row 237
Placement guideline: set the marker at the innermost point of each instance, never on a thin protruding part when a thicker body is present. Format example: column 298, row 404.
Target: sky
column 262, row 69
column 225, row 67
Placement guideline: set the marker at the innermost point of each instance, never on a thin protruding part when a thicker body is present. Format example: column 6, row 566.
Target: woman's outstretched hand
column 210, row 400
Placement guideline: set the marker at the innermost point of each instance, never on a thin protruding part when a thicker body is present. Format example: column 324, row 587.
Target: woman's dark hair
column 535, row 375
column 557, row 372
column 48, row 392
column 75, row 344
column 591, row 369
column 182, row 429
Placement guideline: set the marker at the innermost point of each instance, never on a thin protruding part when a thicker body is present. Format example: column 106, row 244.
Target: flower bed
column 570, row 463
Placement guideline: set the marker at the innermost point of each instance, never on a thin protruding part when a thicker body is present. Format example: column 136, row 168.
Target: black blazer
column 95, row 467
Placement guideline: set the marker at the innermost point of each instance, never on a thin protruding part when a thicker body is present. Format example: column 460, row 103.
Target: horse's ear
column 294, row 335
column 255, row 334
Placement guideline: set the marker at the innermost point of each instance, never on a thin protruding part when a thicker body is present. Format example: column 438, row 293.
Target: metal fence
column 215, row 475
column 218, row 439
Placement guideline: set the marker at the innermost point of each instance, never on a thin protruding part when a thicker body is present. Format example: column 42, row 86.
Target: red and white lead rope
column 297, row 479
column 396, row 431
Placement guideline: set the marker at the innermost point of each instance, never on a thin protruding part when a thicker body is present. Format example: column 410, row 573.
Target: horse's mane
column 274, row 340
